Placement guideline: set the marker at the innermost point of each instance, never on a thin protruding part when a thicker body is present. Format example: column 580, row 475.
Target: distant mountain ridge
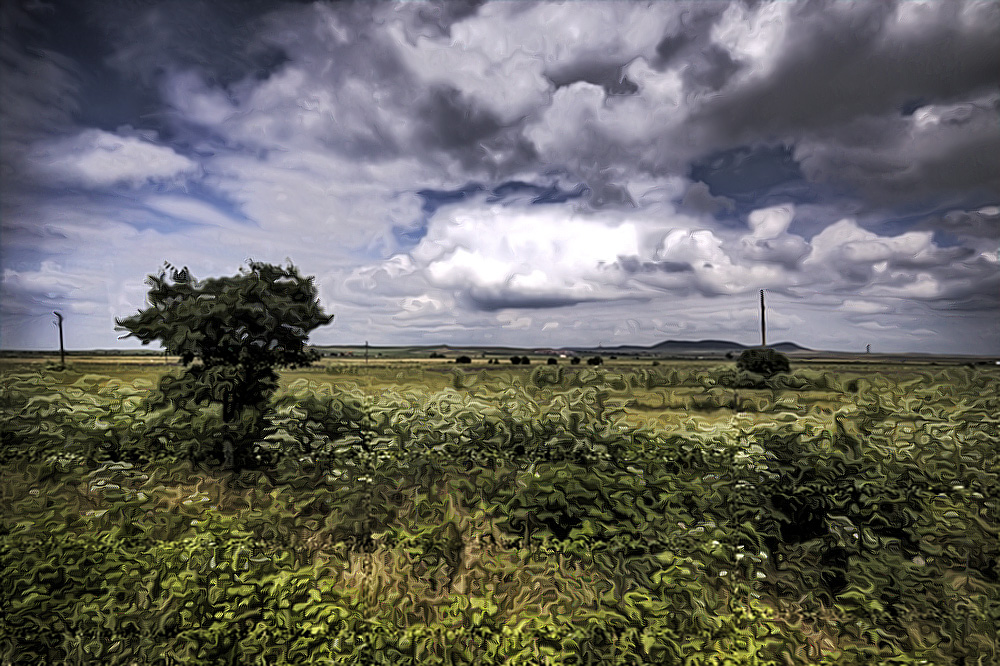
column 683, row 347
column 680, row 346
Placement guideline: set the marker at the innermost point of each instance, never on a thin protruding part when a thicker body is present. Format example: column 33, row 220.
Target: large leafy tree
column 231, row 333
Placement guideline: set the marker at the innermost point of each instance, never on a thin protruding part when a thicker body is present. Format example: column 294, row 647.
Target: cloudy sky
column 508, row 172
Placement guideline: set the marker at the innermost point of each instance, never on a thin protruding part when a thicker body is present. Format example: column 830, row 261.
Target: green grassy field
column 418, row 511
column 673, row 405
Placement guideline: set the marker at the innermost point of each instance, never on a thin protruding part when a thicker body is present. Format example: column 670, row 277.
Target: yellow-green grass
column 373, row 577
column 665, row 404
column 683, row 407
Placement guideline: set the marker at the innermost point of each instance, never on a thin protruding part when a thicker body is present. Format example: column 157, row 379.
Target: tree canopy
column 232, row 332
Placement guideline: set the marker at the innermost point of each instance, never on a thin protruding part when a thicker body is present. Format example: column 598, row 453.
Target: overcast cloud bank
column 537, row 174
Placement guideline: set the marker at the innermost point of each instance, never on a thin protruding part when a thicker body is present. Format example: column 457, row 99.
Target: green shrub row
column 510, row 522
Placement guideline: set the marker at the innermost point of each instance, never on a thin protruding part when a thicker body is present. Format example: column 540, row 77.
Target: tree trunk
column 227, row 442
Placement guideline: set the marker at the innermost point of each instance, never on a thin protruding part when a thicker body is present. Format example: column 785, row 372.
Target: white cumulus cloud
column 546, row 254
column 95, row 158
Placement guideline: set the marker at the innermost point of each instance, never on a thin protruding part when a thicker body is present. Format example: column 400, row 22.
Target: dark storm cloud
column 122, row 50
column 350, row 49
column 40, row 91
column 494, row 301
column 690, row 34
column 441, row 15
column 711, row 68
column 698, row 198
column 40, row 85
column 840, row 61
column 970, row 290
column 608, row 75
column 983, row 223
column 840, row 87
column 454, row 122
column 450, row 123
column 219, row 38
column 637, row 265
column 942, row 150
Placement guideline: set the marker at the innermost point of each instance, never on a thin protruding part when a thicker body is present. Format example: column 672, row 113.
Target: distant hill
column 790, row 347
column 665, row 348
column 694, row 347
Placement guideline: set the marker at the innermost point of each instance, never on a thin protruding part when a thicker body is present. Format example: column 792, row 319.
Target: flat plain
column 415, row 510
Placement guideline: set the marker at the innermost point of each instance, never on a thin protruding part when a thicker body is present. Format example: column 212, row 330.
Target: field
column 409, row 510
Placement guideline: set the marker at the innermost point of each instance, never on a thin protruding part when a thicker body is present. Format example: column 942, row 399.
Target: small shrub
column 516, row 360
column 575, row 360
column 552, row 361
column 766, row 362
column 463, row 359
column 595, row 360
column 525, row 360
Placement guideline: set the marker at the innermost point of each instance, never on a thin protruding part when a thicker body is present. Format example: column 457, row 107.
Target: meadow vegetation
column 422, row 512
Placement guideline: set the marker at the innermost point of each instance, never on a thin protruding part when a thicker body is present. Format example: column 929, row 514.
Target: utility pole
column 366, row 352
column 763, row 325
column 62, row 349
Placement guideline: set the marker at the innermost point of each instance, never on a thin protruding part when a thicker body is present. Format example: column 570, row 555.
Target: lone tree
column 231, row 333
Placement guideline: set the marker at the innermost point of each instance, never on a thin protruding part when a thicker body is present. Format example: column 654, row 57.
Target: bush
column 766, row 362
column 516, row 360
column 575, row 360
column 463, row 359
column 552, row 361
column 405, row 526
column 595, row 360
column 525, row 360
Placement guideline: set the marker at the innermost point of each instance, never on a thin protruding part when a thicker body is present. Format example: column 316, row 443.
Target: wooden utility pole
column 366, row 352
column 763, row 324
column 62, row 349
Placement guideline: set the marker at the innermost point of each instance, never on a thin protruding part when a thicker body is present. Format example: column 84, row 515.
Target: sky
column 533, row 174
